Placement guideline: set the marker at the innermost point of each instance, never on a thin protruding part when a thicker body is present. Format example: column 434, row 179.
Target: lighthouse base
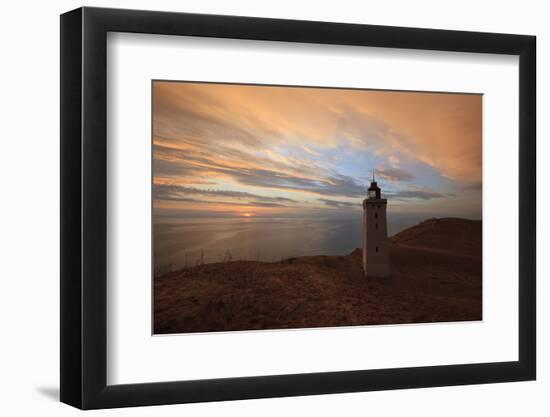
column 377, row 270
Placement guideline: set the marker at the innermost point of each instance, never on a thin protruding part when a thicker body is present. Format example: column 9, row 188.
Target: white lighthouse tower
column 375, row 233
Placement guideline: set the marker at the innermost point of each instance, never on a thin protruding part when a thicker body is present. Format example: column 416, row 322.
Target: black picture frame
column 84, row 207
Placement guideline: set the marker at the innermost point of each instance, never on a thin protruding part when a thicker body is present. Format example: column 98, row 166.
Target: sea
column 189, row 242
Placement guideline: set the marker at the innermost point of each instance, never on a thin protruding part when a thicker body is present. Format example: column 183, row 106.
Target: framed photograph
column 257, row 208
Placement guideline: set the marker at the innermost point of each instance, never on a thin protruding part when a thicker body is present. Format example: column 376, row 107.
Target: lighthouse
column 375, row 233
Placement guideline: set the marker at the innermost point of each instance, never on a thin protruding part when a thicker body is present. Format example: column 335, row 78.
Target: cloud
column 393, row 174
column 414, row 194
column 174, row 188
column 442, row 130
column 301, row 178
column 235, row 144
column 393, row 161
column 180, row 193
column 335, row 203
column 336, row 185
column 182, row 199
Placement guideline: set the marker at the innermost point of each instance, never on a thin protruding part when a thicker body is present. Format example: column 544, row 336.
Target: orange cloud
column 443, row 130
column 294, row 141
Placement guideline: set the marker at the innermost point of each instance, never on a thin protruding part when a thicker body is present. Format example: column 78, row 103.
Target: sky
column 232, row 150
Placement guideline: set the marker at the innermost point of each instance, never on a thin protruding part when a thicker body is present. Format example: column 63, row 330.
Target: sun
column 247, row 214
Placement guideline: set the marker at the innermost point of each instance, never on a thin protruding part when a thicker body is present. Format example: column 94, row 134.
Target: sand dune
column 435, row 277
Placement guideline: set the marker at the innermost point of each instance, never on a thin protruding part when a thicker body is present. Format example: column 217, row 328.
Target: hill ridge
column 446, row 234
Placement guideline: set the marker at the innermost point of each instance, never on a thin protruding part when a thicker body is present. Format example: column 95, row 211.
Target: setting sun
column 247, row 214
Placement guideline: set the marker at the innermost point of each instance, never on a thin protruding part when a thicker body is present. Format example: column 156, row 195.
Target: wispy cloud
column 276, row 147
column 238, row 166
column 415, row 194
column 335, row 203
column 393, row 174
column 165, row 190
column 179, row 193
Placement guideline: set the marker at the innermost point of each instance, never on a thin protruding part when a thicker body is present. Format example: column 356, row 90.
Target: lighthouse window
column 377, row 249
column 375, row 215
column 377, row 225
